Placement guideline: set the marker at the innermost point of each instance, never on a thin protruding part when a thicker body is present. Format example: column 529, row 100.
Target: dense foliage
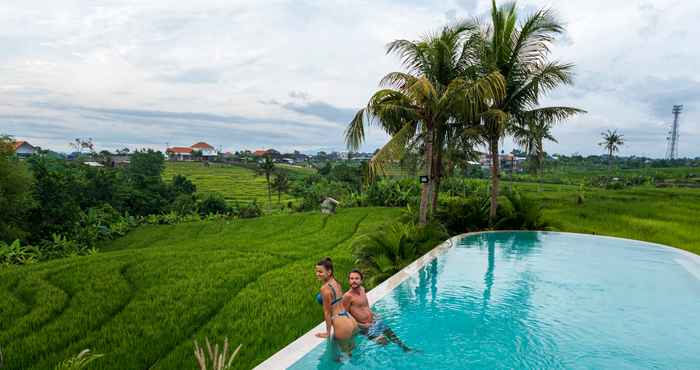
column 15, row 193
column 54, row 208
column 384, row 252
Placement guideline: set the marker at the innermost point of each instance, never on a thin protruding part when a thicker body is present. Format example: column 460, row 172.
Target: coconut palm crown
column 520, row 52
column 434, row 97
column 611, row 142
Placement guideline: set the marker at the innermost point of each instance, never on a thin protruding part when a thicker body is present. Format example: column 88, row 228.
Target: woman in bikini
column 335, row 315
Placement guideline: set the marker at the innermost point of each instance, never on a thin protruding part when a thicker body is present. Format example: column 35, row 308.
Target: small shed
column 329, row 205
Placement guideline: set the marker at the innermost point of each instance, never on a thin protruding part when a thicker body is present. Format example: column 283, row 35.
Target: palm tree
column 426, row 103
column 281, row 184
column 266, row 167
column 530, row 136
column 612, row 142
column 519, row 51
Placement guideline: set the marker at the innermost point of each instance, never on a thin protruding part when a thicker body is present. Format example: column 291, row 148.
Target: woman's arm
column 327, row 312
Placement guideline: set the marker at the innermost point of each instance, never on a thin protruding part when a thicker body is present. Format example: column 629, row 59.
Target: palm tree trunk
column 437, row 170
column 540, row 169
column 269, row 191
column 495, row 162
column 427, row 187
column 610, row 160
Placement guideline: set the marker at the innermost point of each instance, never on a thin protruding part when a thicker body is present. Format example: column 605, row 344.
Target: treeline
column 53, row 208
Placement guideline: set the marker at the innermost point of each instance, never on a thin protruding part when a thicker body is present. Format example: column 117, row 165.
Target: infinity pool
column 539, row 300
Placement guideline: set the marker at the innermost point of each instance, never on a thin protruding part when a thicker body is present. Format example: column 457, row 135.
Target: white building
column 208, row 151
column 24, row 149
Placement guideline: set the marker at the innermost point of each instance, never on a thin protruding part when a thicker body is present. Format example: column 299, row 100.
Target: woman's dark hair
column 327, row 264
column 357, row 272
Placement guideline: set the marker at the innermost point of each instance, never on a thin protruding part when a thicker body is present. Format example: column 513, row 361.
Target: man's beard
column 354, row 285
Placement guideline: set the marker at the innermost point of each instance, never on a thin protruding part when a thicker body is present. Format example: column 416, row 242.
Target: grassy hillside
column 233, row 182
column 669, row 216
column 147, row 296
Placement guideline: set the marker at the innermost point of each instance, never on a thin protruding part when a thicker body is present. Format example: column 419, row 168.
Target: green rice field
column 668, row 216
column 235, row 183
column 143, row 299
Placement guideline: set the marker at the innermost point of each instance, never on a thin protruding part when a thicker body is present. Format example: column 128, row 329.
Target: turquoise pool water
column 539, row 300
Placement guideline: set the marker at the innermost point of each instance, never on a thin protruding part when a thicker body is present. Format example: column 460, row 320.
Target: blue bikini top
column 335, row 300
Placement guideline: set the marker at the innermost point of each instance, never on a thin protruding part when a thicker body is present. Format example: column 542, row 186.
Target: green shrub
column 515, row 211
column 17, row 254
column 213, row 203
column 184, row 204
column 384, row 252
column 393, row 193
column 520, row 213
column 183, row 185
column 250, row 210
column 461, row 215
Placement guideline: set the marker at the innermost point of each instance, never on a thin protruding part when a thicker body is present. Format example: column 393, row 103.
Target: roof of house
column 179, row 150
column 201, row 145
column 19, row 143
column 260, row 152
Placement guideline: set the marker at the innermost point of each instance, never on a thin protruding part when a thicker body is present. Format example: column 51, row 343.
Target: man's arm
column 347, row 301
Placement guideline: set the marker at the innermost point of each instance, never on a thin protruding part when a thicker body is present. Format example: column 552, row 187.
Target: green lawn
column 145, row 297
column 236, row 184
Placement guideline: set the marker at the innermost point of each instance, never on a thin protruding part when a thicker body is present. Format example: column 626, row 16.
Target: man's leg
column 388, row 333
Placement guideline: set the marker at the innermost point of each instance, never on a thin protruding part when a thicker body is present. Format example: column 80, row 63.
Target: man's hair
column 357, row 272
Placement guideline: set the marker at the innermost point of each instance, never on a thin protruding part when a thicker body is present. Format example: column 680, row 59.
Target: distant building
column 184, row 153
column 507, row 162
column 23, row 149
column 208, row 151
column 179, row 153
column 265, row 152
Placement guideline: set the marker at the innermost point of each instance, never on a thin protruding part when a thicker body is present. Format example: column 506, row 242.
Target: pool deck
column 292, row 353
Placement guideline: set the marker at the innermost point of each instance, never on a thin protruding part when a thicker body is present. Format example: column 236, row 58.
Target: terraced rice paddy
column 145, row 297
column 236, row 184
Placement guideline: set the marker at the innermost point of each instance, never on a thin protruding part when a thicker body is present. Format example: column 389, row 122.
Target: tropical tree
column 520, row 52
column 429, row 103
column 280, row 184
column 611, row 142
column 15, row 192
column 530, row 136
column 267, row 167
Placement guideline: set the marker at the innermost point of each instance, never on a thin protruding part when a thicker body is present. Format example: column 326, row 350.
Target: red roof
column 20, row 143
column 179, row 150
column 260, row 152
column 201, row 145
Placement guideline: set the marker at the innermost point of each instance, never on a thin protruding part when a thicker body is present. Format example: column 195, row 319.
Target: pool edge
column 294, row 351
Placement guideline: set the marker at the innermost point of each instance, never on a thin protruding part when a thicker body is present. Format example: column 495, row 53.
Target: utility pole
column 672, row 149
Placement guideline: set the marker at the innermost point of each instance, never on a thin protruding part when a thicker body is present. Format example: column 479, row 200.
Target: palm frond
column 392, row 150
column 540, row 80
column 355, row 133
column 550, row 114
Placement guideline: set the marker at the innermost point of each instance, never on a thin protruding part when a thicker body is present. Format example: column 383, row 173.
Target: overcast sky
column 290, row 74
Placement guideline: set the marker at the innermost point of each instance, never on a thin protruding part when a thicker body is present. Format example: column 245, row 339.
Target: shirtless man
column 355, row 301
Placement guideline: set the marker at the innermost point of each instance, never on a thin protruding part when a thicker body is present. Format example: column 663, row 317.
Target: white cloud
column 318, row 60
